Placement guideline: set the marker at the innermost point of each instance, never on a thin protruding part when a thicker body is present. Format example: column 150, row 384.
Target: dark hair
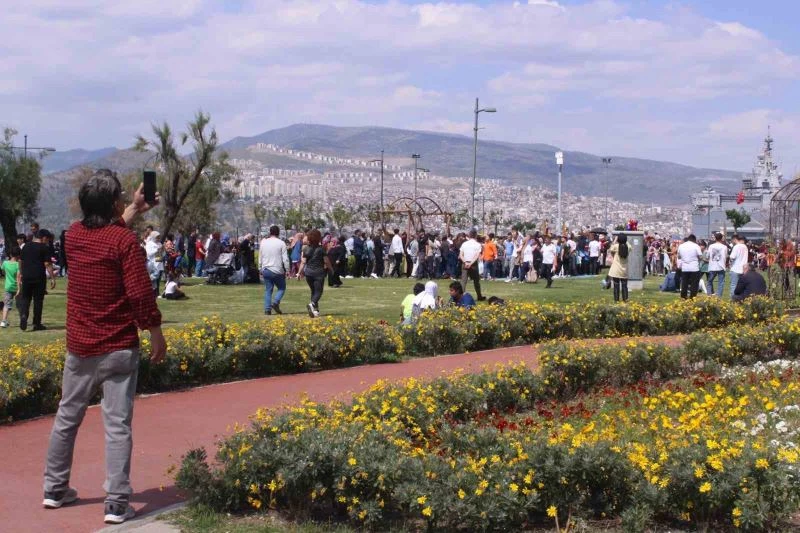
column 418, row 288
column 43, row 234
column 718, row 237
column 737, row 236
column 274, row 231
column 314, row 237
column 622, row 240
column 396, row 231
column 494, row 300
column 456, row 285
column 22, row 236
column 691, row 238
column 473, row 233
column 14, row 251
column 98, row 198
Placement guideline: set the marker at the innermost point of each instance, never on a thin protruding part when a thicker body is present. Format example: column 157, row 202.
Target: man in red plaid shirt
column 109, row 298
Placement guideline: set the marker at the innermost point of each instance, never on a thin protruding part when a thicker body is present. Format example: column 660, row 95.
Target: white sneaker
column 117, row 513
column 508, row 280
column 53, row 500
column 311, row 310
column 374, row 275
column 3, row 324
column 348, row 277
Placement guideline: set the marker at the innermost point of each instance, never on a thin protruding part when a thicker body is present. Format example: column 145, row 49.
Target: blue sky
column 690, row 82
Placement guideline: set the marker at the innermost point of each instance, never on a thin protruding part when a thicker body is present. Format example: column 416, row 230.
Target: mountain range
column 628, row 179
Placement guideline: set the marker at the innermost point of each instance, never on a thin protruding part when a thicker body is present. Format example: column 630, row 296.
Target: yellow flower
column 422, row 499
column 699, row 472
column 461, row 494
column 352, row 461
column 514, row 487
column 705, row 487
column 427, row 511
column 762, row 464
column 552, row 511
column 736, row 513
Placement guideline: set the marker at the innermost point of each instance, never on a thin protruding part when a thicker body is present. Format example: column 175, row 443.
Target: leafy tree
column 259, row 213
column 737, row 218
column 340, row 216
column 304, row 215
column 20, row 182
column 203, row 173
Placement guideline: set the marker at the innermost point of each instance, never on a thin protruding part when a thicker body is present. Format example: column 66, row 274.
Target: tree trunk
column 170, row 214
column 9, row 230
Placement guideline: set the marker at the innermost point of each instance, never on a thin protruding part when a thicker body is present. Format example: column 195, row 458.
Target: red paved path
column 167, row 425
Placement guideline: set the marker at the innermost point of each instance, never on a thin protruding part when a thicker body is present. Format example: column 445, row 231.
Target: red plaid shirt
column 109, row 292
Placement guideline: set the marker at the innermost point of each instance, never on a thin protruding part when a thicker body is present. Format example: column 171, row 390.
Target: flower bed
column 207, row 351
column 210, row 351
column 455, row 330
column 508, row 449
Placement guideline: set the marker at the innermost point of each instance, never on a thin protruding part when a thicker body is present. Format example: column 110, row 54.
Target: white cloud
column 89, row 72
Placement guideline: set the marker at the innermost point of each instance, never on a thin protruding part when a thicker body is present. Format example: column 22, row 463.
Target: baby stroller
column 221, row 272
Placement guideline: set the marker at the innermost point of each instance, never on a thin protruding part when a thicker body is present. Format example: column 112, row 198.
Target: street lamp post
column 416, row 158
column 381, row 161
column 560, row 163
column 25, row 148
column 606, row 162
column 475, row 153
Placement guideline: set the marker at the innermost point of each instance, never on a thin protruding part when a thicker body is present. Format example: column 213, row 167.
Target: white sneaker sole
column 56, row 504
column 118, row 519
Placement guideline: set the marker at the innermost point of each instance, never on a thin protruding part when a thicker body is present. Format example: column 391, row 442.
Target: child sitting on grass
column 171, row 291
column 408, row 305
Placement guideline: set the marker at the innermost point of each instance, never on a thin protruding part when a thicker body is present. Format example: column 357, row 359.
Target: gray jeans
column 116, row 373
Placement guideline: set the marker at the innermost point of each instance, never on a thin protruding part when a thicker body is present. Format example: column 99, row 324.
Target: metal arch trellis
column 784, row 230
column 415, row 211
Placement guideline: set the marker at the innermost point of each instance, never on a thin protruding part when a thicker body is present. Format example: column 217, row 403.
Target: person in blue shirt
column 460, row 298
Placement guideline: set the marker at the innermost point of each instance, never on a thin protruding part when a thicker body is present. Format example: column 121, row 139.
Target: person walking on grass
column 689, row 257
column 109, row 296
column 35, row 266
column 469, row 255
column 313, row 266
column 619, row 267
column 11, row 288
column 549, row 261
column 274, row 266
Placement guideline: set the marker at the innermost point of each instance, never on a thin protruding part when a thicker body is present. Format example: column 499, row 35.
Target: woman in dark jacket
column 336, row 256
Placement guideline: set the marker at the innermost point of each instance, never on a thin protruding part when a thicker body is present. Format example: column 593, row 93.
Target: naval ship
column 758, row 187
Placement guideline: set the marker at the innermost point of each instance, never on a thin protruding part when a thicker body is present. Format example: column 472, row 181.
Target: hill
column 631, row 179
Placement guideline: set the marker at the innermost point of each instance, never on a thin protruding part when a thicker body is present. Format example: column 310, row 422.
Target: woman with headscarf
column 336, row 255
column 295, row 253
column 427, row 299
column 619, row 267
column 155, row 259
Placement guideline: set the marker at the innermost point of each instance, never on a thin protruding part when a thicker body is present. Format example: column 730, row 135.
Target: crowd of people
column 689, row 266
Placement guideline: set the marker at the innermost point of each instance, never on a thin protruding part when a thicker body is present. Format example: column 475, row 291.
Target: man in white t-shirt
column 469, row 255
column 549, row 261
column 274, row 265
column 594, row 255
column 717, row 260
column 689, row 255
column 738, row 260
column 396, row 251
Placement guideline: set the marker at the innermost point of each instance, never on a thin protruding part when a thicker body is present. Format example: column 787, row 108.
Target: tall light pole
column 375, row 161
column 475, row 154
column 560, row 163
column 416, row 158
column 606, row 162
column 25, row 148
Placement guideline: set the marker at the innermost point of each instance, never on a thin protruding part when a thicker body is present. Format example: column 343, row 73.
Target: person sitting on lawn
column 171, row 291
column 406, row 317
column 459, row 298
column 750, row 283
column 426, row 300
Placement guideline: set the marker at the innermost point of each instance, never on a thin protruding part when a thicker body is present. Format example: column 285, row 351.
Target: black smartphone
column 149, row 179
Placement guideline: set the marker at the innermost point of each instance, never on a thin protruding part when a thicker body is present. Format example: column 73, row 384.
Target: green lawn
column 370, row 298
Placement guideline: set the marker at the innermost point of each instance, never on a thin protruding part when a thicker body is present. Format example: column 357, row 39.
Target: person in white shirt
column 274, row 265
column 594, row 255
column 738, row 260
column 469, row 255
column 717, row 259
column 171, row 291
column 689, row 255
column 549, row 261
column 396, row 251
